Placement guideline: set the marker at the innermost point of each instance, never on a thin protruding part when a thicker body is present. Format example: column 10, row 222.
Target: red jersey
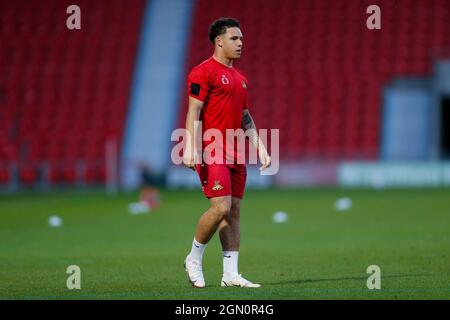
column 223, row 90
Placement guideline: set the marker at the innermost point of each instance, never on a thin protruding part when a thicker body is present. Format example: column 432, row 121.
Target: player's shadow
column 303, row 281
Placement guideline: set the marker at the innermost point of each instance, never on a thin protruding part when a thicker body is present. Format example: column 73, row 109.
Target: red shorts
column 219, row 180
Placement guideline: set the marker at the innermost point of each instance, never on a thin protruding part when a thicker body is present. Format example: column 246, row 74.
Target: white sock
column 230, row 262
column 197, row 250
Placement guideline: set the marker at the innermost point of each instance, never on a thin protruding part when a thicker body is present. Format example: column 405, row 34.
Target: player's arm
column 250, row 128
column 193, row 114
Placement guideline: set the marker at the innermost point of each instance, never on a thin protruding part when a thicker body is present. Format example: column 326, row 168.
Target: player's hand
column 189, row 161
column 264, row 158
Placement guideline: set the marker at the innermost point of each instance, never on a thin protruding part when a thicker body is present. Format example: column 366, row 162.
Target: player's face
column 232, row 42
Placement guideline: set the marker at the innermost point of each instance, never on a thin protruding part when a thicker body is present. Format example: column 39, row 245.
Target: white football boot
column 195, row 273
column 237, row 281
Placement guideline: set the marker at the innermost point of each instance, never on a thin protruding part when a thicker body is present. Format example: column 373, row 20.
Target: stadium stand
column 317, row 72
column 64, row 93
column 314, row 70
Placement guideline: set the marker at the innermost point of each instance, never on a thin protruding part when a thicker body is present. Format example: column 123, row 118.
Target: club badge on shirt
column 217, row 186
column 244, row 85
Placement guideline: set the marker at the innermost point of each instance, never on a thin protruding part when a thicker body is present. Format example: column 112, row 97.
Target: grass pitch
column 319, row 253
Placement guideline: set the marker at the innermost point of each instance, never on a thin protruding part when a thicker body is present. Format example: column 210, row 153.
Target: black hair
column 219, row 27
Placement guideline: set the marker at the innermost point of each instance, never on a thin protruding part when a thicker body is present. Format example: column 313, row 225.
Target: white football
column 280, row 217
column 54, row 221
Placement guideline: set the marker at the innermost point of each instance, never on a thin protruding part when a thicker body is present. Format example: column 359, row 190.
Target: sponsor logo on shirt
column 225, row 79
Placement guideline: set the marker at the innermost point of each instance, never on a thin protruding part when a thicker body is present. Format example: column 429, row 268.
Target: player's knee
column 222, row 209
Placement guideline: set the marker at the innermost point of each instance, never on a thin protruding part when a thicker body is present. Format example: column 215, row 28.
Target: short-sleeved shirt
column 223, row 90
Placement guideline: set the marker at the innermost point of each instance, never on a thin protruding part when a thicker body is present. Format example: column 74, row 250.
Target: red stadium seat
column 63, row 83
column 326, row 66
